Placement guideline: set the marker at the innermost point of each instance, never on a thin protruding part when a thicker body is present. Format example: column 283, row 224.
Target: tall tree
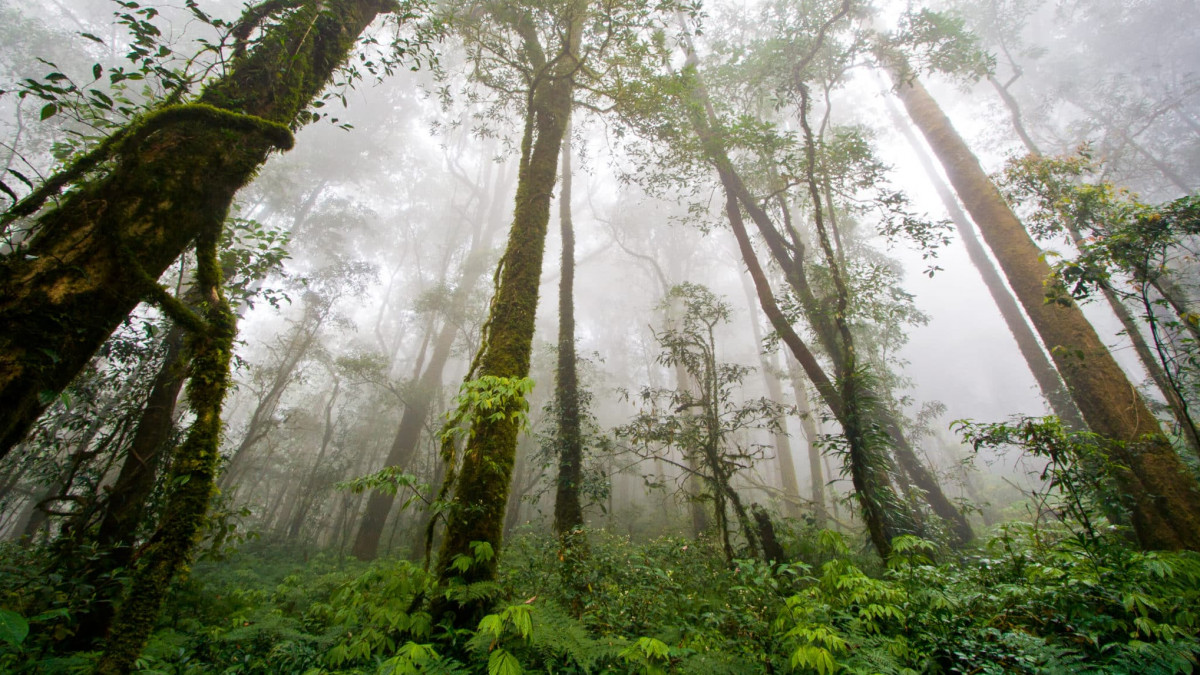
column 1164, row 497
column 550, row 46
column 568, row 510
column 1048, row 380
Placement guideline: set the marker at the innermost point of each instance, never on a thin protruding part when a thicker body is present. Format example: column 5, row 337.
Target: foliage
column 1032, row 599
column 1130, row 251
column 491, row 398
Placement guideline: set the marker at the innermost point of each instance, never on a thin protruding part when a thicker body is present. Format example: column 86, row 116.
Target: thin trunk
column 261, row 420
column 568, row 512
column 126, row 508
column 1014, row 111
column 783, row 448
column 310, row 486
column 404, row 444
column 809, row 426
column 1162, row 493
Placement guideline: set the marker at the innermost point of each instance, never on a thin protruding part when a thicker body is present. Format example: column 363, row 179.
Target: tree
column 1164, row 498
column 862, row 428
column 568, row 510
column 482, row 483
column 704, row 423
column 145, row 193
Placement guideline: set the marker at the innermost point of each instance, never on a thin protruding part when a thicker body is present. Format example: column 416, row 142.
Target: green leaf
column 491, row 624
column 500, row 662
column 97, row 71
column 91, row 37
column 13, row 627
column 48, row 111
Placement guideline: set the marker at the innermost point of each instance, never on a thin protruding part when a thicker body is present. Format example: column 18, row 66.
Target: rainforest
column 622, row 336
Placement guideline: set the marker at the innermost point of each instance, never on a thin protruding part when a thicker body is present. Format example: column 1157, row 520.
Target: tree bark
column 568, row 511
column 483, row 482
column 1048, row 380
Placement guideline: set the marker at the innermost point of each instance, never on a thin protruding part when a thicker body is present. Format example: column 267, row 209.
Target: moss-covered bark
column 1051, row 385
column 568, row 511
column 482, row 485
column 192, row 476
column 145, row 197
column 1161, row 491
column 126, row 508
column 881, row 509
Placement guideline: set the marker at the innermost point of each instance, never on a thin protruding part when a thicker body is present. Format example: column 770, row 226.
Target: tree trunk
column 174, row 173
column 193, row 470
column 1051, row 385
column 404, row 445
column 783, row 448
column 482, row 485
column 310, row 487
column 1164, row 496
column 568, row 512
column 809, row 426
column 126, row 508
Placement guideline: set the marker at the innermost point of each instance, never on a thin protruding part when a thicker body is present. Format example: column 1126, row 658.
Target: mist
column 832, row 336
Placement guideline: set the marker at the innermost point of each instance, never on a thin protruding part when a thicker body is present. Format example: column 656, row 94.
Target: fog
column 362, row 265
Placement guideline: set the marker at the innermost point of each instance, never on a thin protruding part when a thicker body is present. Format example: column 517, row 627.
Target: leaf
column 21, row 177
column 500, row 662
column 48, row 111
column 13, row 627
column 492, row 624
column 91, row 37
column 97, row 71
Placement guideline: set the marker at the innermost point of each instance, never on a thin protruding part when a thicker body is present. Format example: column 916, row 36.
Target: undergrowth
column 1029, row 600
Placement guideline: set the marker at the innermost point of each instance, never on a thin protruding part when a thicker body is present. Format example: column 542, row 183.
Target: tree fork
column 167, row 178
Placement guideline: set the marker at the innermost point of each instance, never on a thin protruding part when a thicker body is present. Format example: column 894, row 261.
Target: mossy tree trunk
column 1162, row 493
column 568, row 510
column 1048, row 380
column 877, row 424
column 482, row 485
column 171, row 175
column 193, row 471
column 883, row 512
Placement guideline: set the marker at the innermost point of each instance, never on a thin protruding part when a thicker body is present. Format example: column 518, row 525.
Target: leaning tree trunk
column 1051, row 385
column 884, row 514
column 158, row 183
column 1163, row 495
column 481, row 488
column 783, row 448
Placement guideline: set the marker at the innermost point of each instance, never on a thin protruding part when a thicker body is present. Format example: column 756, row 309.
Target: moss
column 279, row 136
column 175, row 174
column 482, row 485
column 192, row 474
